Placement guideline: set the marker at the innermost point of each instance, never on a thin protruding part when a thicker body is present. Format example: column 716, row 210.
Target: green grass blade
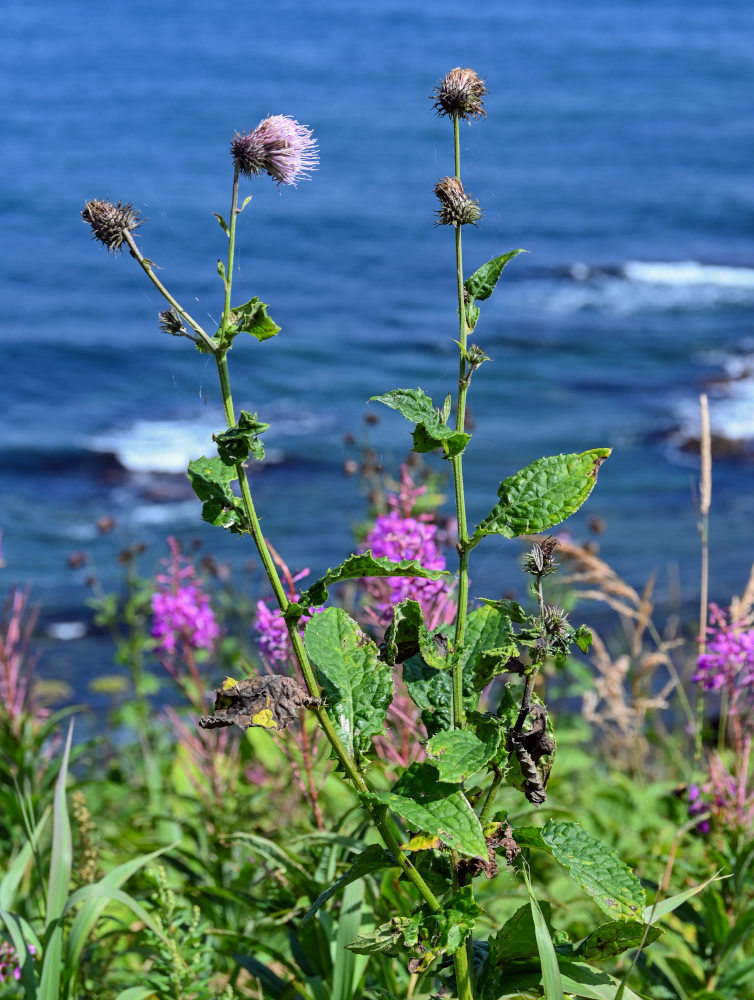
column 111, row 894
column 61, row 859
column 12, row 878
column 136, row 993
column 348, row 967
column 92, row 908
column 656, row 911
column 551, row 980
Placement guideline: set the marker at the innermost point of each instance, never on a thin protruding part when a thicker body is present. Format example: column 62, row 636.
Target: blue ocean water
column 617, row 151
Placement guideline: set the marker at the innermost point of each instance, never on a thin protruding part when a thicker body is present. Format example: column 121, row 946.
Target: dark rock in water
column 722, row 447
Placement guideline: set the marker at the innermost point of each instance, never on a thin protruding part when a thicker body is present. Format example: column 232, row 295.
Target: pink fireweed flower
column 278, row 146
column 729, row 659
column 398, row 535
column 10, row 964
column 181, row 610
column 274, row 641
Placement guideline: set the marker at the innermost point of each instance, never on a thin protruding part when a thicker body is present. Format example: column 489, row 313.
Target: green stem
column 489, row 802
column 378, row 813
column 231, row 251
column 146, row 267
column 459, row 715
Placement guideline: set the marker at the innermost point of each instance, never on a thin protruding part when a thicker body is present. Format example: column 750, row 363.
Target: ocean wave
column 641, row 286
column 731, row 407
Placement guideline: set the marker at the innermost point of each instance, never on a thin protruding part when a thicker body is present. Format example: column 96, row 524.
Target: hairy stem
column 231, row 250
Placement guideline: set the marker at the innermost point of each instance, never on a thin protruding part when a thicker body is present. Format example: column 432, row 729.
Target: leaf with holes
column 238, row 442
column 210, row 479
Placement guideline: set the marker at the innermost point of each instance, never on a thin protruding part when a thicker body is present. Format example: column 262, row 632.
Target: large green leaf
column 238, row 442
column 210, row 480
column 597, row 869
column 513, row 946
column 357, row 566
column 542, row 495
column 460, row 752
column 593, row 984
column 431, row 430
column 437, row 808
column 481, row 284
column 358, row 686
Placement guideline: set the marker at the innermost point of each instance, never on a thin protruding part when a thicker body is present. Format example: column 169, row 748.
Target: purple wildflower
column 697, row 806
column 729, row 659
column 274, row 641
column 181, row 611
column 397, row 535
column 278, row 146
column 10, row 964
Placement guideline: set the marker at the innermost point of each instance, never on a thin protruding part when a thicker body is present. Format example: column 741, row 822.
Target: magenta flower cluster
column 397, row 536
column 273, row 634
column 182, row 612
column 729, row 657
column 10, row 966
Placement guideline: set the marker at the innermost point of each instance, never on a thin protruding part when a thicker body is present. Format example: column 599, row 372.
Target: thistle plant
column 346, row 678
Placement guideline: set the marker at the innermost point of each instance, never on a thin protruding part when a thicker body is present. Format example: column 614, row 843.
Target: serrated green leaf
column 210, row 479
column 614, row 938
column 494, row 646
column 542, row 495
column 436, row 807
column 481, row 284
column 592, row 865
column 372, row 859
column 361, row 565
column 431, row 430
column 387, row 939
column 251, row 317
column 460, row 752
column 236, row 443
column 444, row 932
column 583, row 638
column 358, row 686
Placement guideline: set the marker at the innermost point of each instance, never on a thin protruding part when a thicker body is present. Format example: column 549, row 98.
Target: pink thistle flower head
column 278, row 146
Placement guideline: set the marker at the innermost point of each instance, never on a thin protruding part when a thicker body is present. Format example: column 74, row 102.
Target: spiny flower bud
column 170, row 323
column 456, row 207
column 278, row 146
column 460, row 93
column 110, row 222
column 540, row 560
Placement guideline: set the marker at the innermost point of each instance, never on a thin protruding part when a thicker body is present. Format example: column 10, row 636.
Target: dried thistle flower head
column 170, row 323
column 110, row 222
column 278, row 146
column 460, row 93
column 457, row 208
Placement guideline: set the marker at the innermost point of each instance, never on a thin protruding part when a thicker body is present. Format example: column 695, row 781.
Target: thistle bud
column 278, row 146
column 457, row 208
column 111, row 222
column 171, row 323
column 540, row 561
column 460, row 93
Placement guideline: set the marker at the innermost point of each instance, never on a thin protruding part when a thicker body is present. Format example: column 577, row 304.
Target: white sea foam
column 642, row 286
column 157, row 445
column 731, row 403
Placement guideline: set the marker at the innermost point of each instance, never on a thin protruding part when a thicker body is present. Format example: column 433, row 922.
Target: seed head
column 278, row 146
column 456, row 207
column 540, row 560
column 110, row 222
column 460, row 93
